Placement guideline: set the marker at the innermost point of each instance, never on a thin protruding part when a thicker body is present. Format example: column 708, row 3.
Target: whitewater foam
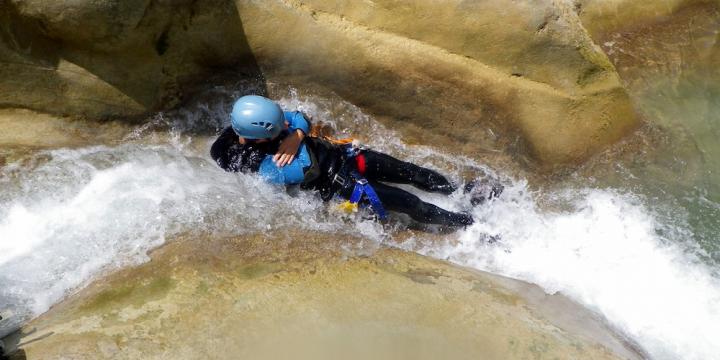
column 76, row 213
column 604, row 251
column 604, row 248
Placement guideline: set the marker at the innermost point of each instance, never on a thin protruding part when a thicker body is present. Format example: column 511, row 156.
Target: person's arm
column 296, row 121
column 290, row 174
column 219, row 149
column 298, row 127
column 232, row 156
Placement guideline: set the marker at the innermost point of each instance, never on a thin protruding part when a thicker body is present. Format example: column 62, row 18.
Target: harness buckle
column 339, row 180
column 362, row 181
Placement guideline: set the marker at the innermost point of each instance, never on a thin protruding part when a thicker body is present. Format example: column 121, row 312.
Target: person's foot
column 482, row 190
column 465, row 219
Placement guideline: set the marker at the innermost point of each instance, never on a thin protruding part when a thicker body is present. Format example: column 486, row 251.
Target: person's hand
column 288, row 148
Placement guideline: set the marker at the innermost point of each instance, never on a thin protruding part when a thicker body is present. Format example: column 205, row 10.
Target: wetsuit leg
column 399, row 200
column 383, row 167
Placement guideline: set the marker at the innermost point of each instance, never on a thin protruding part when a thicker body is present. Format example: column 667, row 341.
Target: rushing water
column 627, row 244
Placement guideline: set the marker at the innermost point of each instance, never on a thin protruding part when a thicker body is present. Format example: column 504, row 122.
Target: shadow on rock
column 128, row 59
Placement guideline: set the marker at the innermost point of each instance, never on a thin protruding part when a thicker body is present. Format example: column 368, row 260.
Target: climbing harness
column 353, row 151
column 362, row 187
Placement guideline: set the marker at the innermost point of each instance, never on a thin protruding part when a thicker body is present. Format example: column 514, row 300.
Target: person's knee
column 433, row 181
column 408, row 202
column 400, row 201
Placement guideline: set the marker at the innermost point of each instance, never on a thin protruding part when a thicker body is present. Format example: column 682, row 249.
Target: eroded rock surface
column 665, row 42
column 522, row 75
column 112, row 58
column 603, row 17
column 668, row 58
column 267, row 298
column 454, row 69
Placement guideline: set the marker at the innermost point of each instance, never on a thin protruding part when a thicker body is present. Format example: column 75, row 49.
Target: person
column 276, row 144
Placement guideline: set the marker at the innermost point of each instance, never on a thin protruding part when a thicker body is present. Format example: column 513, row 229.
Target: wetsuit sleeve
column 232, row 156
column 290, row 174
column 296, row 121
column 219, row 149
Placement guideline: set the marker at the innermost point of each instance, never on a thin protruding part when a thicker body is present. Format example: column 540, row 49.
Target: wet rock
column 25, row 132
column 525, row 69
column 435, row 70
column 603, row 17
column 668, row 57
column 661, row 41
column 112, row 58
column 267, row 298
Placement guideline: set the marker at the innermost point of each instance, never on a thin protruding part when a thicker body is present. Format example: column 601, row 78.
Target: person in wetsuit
column 265, row 139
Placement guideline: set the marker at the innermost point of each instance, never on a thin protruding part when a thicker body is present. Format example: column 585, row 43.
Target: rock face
column 664, row 40
column 454, row 68
column 24, row 132
column 112, row 58
column 602, row 17
column 451, row 69
column 668, row 58
column 258, row 298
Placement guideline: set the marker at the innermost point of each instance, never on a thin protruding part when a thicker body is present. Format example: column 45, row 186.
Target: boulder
column 523, row 76
column 112, row 58
column 454, row 69
column 261, row 297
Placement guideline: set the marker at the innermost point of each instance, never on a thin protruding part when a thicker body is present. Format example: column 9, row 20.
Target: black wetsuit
column 330, row 160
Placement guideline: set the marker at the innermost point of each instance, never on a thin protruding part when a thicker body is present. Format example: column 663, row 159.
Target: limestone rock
column 602, row 17
column 454, row 68
column 653, row 40
column 25, row 128
column 112, row 58
column 257, row 299
column 668, row 55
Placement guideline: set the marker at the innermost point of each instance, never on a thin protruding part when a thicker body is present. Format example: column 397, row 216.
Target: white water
column 605, row 253
column 91, row 210
column 86, row 211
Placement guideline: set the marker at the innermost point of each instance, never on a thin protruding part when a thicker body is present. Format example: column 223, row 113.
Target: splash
column 607, row 251
column 87, row 211
column 76, row 214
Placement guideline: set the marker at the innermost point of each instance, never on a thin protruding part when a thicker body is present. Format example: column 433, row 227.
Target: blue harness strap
column 363, row 187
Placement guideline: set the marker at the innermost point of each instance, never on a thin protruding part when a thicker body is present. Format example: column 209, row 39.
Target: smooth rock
column 522, row 76
column 26, row 128
column 25, row 132
column 603, row 17
column 454, row 69
column 112, row 58
column 662, row 42
column 269, row 298
column 668, row 57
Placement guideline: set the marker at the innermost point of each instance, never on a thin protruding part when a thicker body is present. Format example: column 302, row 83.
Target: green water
column 674, row 160
column 671, row 70
column 689, row 109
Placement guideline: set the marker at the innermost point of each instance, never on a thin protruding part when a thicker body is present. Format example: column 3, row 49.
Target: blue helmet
column 257, row 117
